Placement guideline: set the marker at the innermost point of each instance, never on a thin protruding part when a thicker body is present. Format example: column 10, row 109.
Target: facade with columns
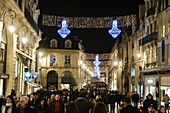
column 147, row 72
column 18, row 48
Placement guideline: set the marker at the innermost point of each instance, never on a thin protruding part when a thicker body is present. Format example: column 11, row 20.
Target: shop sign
column 150, row 81
column 35, row 75
column 4, row 76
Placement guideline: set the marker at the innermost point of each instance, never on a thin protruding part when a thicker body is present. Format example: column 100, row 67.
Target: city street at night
column 61, row 56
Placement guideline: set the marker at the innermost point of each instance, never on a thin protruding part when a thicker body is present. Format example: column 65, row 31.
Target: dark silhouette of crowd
column 91, row 99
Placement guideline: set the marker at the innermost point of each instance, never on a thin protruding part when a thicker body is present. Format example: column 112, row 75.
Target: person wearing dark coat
column 135, row 99
column 57, row 106
column 148, row 101
column 9, row 105
column 42, row 106
column 83, row 104
column 2, row 100
column 23, row 106
column 128, row 108
column 112, row 101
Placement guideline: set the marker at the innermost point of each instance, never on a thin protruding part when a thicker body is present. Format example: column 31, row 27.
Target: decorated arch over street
column 88, row 22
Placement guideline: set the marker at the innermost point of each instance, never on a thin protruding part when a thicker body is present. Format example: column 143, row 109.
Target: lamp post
column 11, row 28
column 12, row 15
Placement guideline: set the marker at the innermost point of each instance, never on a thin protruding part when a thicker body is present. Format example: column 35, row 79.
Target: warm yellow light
column 139, row 55
column 40, row 60
column 115, row 63
column 11, row 28
column 24, row 40
column 40, row 54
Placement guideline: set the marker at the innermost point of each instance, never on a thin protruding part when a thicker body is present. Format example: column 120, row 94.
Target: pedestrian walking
column 128, row 108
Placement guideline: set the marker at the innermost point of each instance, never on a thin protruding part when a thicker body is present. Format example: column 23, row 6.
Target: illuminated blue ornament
column 97, row 68
column 114, row 31
column 64, row 30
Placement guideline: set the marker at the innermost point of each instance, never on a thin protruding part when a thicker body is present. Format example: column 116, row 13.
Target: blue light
column 97, row 68
column 64, row 31
column 114, row 31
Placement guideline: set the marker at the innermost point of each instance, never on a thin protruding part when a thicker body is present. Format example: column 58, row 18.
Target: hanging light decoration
column 97, row 68
column 64, row 30
column 114, row 31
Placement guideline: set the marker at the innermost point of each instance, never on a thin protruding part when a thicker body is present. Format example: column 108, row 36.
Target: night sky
column 94, row 40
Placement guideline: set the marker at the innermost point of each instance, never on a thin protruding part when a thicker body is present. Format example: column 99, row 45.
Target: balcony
column 149, row 38
column 67, row 65
column 31, row 20
column 151, row 11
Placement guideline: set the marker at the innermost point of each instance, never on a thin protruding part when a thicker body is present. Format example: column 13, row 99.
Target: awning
column 4, row 76
column 155, row 71
column 34, row 84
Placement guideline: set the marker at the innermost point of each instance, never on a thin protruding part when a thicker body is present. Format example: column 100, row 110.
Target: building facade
column 143, row 54
column 62, row 61
column 18, row 45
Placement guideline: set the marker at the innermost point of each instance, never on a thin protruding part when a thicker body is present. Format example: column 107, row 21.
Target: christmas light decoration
column 97, row 68
column 64, row 30
column 114, row 31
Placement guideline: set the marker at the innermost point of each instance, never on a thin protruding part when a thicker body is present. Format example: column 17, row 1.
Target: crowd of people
column 87, row 100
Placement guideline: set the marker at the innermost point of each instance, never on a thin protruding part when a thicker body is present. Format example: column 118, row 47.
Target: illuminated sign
column 34, row 75
column 114, row 31
column 64, row 30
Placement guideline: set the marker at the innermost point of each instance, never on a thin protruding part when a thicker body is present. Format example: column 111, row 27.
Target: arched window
column 67, row 44
column 163, row 50
column 53, row 43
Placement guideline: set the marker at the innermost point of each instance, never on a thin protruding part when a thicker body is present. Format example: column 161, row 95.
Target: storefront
column 157, row 83
column 3, row 78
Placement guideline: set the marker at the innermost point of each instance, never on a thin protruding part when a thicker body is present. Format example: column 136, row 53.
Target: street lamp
column 12, row 13
column 139, row 55
column 24, row 29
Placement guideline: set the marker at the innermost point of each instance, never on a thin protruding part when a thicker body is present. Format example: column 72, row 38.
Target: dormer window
column 67, row 44
column 53, row 43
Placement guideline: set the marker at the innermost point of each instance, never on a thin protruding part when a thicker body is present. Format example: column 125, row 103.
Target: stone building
column 147, row 72
column 18, row 47
column 62, row 61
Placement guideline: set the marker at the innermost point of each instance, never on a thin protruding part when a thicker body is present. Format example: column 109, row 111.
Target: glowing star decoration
column 114, row 31
column 97, row 68
column 64, row 30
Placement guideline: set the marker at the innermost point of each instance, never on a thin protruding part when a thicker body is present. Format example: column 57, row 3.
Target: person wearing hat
column 128, row 108
column 149, row 100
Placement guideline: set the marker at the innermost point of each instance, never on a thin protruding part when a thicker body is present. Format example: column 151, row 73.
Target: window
column 3, row 52
column 53, row 43
column 67, row 44
column 18, row 43
column 52, row 60
column 151, row 28
column 155, row 27
column 168, row 26
column 67, row 61
column 2, row 55
column 147, row 30
column 163, row 31
column 163, row 51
